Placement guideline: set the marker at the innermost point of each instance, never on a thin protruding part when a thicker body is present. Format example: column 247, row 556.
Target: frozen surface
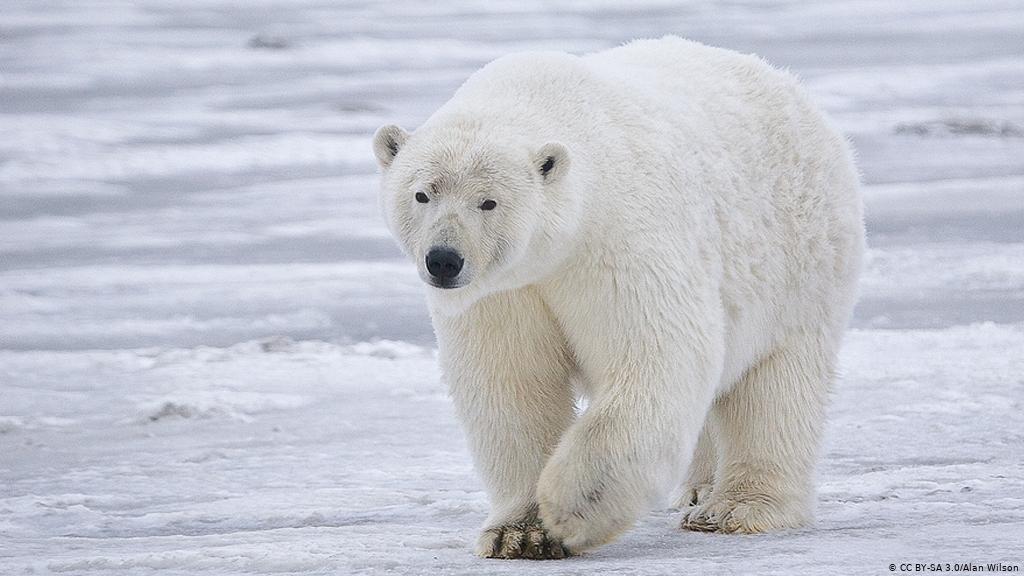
column 214, row 360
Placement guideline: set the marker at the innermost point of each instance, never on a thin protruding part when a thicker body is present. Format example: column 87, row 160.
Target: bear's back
column 667, row 85
column 524, row 88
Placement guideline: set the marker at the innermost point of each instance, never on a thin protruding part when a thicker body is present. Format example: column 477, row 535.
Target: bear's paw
column 744, row 514
column 520, row 540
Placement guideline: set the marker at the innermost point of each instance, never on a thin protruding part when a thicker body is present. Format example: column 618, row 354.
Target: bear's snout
column 444, row 264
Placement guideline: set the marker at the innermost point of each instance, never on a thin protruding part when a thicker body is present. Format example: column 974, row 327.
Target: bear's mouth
column 445, row 284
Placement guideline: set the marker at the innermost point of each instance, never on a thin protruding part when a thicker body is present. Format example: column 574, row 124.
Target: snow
column 214, row 360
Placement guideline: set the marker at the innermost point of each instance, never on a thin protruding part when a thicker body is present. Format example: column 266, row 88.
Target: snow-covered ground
column 214, row 360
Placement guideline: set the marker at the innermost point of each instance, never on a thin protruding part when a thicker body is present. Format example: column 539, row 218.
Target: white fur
column 688, row 264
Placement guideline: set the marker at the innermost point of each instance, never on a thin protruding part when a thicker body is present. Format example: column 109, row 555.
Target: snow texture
column 214, row 360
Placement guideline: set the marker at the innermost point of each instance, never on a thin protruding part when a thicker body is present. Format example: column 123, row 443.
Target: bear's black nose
column 444, row 263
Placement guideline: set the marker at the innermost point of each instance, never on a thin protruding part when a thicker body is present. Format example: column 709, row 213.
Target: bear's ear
column 386, row 143
column 551, row 162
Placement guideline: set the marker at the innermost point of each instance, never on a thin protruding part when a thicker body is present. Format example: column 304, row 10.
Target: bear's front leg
column 613, row 464
column 653, row 372
column 508, row 369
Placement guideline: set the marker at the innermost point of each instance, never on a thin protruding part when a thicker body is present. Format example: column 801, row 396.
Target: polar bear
column 671, row 232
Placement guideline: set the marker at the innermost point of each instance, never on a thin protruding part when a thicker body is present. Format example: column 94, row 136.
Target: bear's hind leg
column 768, row 429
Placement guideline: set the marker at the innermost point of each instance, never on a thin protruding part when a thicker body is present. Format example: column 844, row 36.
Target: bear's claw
column 521, row 540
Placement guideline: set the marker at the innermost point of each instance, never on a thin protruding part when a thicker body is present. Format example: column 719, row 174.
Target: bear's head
column 477, row 212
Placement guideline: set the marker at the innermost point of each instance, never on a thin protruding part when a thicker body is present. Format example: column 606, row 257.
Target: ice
column 349, row 459
column 213, row 358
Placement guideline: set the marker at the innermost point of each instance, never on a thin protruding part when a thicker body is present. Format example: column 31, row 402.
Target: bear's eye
column 488, row 205
column 422, row 198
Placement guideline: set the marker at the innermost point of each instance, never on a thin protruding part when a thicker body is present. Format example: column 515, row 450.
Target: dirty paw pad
column 697, row 519
column 522, row 540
